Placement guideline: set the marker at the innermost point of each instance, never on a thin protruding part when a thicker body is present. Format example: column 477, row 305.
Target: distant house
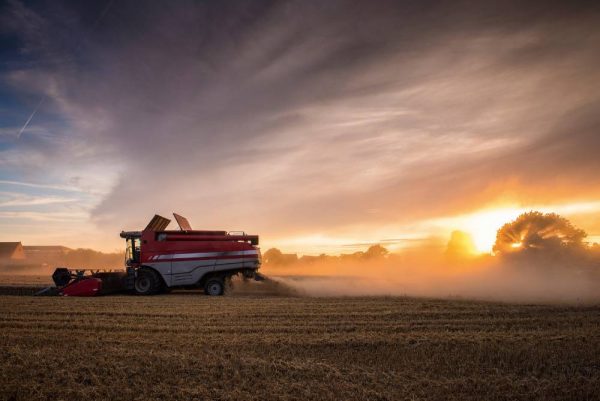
column 11, row 252
column 45, row 253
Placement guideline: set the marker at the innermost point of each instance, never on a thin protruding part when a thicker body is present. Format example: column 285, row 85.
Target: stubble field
column 189, row 346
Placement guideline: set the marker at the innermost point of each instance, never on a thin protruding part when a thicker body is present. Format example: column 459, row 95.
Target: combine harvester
column 158, row 260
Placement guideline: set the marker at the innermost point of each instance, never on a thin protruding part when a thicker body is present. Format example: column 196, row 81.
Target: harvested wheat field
column 189, row 346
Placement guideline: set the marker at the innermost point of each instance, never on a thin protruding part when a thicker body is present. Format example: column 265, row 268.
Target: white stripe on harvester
column 206, row 254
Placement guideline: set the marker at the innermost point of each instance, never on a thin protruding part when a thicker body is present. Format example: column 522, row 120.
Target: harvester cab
column 133, row 239
column 132, row 250
column 157, row 259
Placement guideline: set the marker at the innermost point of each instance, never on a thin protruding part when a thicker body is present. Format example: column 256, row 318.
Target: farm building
column 11, row 252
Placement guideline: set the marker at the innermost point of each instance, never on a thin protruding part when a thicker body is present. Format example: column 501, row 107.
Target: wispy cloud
column 45, row 216
column 11, row 199
column 38, row 185
column 37, row 130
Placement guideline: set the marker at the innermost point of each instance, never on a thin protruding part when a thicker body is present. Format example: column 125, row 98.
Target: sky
column 321, row 126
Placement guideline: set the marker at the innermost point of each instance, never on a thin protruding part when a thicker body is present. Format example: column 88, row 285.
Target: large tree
column 538, row 231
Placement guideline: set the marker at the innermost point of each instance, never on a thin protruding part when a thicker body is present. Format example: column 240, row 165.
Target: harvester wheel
column 214, row 286
column 147, row 282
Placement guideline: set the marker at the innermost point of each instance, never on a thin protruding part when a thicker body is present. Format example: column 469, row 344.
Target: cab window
column 132, row 251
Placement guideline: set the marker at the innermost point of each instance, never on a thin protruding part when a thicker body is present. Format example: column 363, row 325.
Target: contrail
column 94, row 25
column 30, row 117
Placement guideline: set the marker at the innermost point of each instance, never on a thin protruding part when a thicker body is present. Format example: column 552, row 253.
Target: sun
column 483, row 225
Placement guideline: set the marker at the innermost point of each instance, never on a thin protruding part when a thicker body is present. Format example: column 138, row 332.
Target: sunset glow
column 483, row 225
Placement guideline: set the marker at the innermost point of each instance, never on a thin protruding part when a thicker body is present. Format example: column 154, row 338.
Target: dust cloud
column 42, row 260
column 268, row 286
column 486, row 278
column 539, row 257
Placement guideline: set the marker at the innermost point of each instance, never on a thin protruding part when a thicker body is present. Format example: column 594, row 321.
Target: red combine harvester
column 158, row 260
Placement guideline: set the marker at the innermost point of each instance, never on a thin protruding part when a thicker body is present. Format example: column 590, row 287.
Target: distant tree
column 539, row 231
column 375, row 251
column 272, row 256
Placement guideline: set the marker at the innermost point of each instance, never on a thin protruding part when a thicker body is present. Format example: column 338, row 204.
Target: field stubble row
column 249, row 348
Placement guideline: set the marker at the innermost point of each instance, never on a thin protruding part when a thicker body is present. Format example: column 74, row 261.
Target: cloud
column 35, row 185
column 44, row 216
column 302, row 117
column 8, row 199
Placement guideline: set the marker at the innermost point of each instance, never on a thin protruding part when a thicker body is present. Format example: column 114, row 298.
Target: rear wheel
column 147, row 282
column 214, row 286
